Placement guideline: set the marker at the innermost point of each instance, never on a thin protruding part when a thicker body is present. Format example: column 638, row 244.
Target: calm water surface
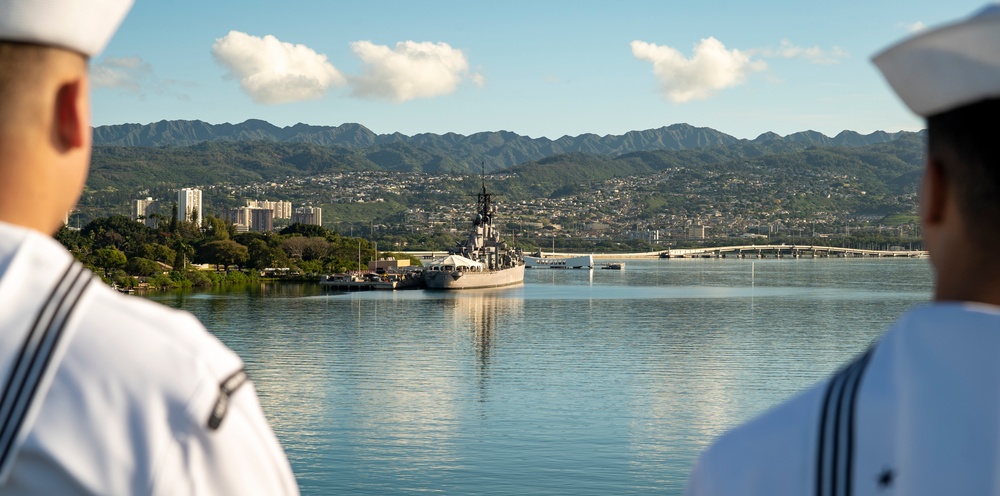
column 578, row 382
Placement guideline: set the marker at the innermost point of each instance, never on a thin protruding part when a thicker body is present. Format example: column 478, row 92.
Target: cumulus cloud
column 272, row 71
column 711, row 68
column 786, row 49
column 410, row 70
column 127, row 73
column 914, row 27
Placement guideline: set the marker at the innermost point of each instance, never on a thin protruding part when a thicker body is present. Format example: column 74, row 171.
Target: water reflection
column 579, row 382
column 484, row 312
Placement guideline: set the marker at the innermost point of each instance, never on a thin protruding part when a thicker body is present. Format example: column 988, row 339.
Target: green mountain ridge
column 496, row 150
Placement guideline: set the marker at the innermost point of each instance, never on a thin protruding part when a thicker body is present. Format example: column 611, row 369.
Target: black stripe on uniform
column 226, row 389
column 835, row 449
column 33, row 359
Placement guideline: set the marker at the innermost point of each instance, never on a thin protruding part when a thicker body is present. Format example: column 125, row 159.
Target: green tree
column 315, row 248
column 143, row 267
column 310, row 266
column 261, row 255
column 215, row 228
column 108, row 259
column 306, row 230
column 223, row 253
column 184, row 252
column 74, row 241
column 160, row 253
column 118, row 231
column 173, row 218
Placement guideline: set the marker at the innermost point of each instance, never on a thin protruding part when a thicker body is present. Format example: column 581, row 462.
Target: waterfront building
column 189, row 205
column 308, row 215
column 387, row 265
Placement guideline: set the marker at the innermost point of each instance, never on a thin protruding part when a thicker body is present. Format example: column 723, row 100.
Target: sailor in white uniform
column 100, row 393
column 919, row 412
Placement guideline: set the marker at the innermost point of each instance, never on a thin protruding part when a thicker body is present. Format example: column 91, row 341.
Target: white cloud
column 273, row 71
column 711, row 68
column 410, row 70
column 914, row 27
column 479, row 80
column 125, row 73
column 786, row 49
column 134, row 76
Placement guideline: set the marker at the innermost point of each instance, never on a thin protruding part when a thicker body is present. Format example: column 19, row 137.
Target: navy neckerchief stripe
column 835, row 449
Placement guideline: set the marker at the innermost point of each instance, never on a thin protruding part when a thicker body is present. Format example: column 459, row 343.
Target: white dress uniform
column 109, row 394
column 919, row 413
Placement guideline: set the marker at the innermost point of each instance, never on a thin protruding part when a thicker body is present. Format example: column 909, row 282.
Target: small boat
column 357, row 282
column 614, row 266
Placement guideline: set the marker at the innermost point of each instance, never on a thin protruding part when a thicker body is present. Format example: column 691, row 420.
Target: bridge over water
column 787, row 251
column 738, row 251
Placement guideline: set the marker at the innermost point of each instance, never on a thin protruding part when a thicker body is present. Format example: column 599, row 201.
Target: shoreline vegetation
column 179, row 255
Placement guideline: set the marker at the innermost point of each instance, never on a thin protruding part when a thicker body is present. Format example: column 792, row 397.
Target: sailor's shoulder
column 147, row 337
column 771, row 454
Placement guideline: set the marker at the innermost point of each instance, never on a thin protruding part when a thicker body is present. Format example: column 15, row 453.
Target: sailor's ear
column 934, row 193
column 71, row 119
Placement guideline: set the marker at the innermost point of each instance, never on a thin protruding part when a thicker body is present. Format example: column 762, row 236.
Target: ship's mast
column 484, row 198
column 484, row 206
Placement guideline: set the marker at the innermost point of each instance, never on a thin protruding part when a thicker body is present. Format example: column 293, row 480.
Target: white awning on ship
column 455, row 261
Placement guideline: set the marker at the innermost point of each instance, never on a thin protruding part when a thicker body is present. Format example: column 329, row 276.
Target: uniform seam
column 176, row 436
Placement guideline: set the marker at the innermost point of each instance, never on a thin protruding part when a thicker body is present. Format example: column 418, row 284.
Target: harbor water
column 578, row 382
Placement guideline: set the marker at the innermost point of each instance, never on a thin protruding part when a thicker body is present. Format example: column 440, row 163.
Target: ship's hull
column 443, row 279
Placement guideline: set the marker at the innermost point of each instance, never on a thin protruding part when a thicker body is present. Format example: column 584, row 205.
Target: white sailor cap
column 84, row 26
column 945, row 68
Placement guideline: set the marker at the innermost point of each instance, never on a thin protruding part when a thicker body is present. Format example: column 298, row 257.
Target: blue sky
column 539, row 68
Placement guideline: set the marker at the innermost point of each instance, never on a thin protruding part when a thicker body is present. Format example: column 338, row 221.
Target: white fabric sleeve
column 242, row 456
column 698, row 483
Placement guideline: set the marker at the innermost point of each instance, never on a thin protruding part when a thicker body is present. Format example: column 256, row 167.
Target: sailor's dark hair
column 966, row 142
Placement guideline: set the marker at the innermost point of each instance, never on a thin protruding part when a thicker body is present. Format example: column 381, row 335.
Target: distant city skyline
column 537, row 69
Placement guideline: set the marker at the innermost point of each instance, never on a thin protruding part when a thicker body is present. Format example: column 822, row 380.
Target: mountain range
column 495, row 150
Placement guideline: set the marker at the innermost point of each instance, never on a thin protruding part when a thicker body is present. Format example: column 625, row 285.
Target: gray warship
column 483, row 260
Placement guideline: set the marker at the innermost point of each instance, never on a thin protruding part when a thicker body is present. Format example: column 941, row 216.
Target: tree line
column 123, row 251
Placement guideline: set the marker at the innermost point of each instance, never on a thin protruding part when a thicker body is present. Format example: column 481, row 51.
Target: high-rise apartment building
column 308, row 215
column 239, row 216
column 251, row 219
column 145, row 211
column 189, row 205
column 282, row 209
column 261, row 219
